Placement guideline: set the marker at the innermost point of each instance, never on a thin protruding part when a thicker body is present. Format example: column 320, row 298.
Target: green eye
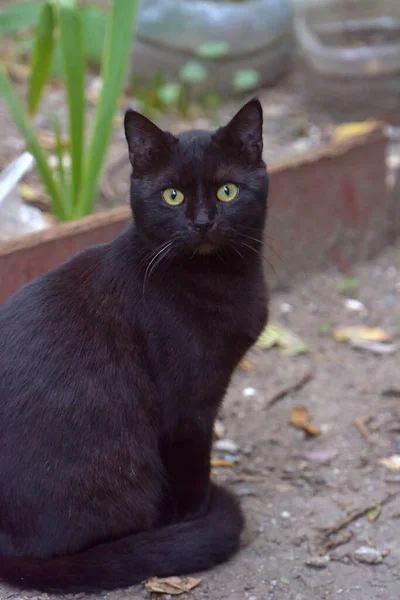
column 227, row 192
column 173, row 197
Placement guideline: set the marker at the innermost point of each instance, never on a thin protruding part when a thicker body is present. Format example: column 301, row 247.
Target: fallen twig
column 355, row 514
column 294, row 387
column 361, row 425
column 335, row 542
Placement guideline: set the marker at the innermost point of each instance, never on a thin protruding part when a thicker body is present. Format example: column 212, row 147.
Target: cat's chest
column 196, row 347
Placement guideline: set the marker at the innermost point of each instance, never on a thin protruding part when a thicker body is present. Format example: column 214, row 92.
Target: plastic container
column 16, row 217
column 350, row 54
column 257, row 35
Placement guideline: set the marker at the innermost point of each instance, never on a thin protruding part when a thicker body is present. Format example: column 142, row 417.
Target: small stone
column 370, row 556
column 285, row 514
column 225, row 445
column 355, row 305
column 247, row 450
column 285, row 308
column 245, row 490
column 248, row 392
column 318, row 562
column 322, row 456
column 219, row 429
column 231, row 458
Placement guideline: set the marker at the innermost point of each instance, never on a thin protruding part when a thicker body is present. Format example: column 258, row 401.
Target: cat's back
column 59, row 327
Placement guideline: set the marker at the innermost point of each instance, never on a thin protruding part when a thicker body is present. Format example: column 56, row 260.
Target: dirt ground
column 290, row 484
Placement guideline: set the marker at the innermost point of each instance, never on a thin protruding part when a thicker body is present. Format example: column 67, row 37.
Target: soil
column 290, row 484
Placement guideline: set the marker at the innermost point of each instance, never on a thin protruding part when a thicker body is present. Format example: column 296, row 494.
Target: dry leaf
column 246, row 365
column 361, row 334
column 29, row 193
column 391, row 462
column 171, row 585
column 47, row 139
column 277, row 335
column 19, row 72
column 347, row 131
column 300, row 418
column 221, row 462
column 374, row 513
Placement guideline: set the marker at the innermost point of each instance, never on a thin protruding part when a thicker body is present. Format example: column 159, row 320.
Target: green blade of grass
column 73, row 55
column 118, row 45
column 65, row 190
column 42, row 56
column 28, row 133
column 94, row 20
column 59, row 149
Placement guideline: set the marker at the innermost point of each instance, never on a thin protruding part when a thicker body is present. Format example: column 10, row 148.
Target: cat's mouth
column 205, row 247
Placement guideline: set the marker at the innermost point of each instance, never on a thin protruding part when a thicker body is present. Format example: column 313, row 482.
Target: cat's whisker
column 148, row 272
column 239, row 253
column 161, row 257
column 248, row 237
column 267, row 242
column 250, row 247
column 263, row 257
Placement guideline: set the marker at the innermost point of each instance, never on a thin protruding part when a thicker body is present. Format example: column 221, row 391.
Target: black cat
column 113, row 367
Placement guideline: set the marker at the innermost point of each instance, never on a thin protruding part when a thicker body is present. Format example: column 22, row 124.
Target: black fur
column 113, row 367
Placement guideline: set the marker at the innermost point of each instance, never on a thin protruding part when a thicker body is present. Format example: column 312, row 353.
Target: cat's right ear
column 149, row 146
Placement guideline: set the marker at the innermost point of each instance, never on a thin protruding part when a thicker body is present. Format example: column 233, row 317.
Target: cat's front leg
column 186, row 458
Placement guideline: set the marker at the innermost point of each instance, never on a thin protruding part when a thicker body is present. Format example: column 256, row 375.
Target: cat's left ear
column 244, row 131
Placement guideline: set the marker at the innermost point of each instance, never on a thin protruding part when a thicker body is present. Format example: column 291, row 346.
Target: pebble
column 370, row 556
column 248, row 449
column 285, row 514
column 226, row 445
column 355, row 305
column 219, row 429
column 245, row 490
column 318, row 562
column 322, row 456
column 248, row 392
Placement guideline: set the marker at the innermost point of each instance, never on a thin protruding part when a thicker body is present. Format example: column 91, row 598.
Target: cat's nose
column 202, row 226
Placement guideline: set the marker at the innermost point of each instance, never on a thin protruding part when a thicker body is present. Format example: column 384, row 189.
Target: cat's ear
column 244, row 132
column 149, row 146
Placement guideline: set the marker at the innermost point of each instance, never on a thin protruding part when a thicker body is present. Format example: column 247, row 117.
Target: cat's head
column 205, row 191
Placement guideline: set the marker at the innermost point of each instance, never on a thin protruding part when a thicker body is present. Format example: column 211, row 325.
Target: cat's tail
column 173, row 550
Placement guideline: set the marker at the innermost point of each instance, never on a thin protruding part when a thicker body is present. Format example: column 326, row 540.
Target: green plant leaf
column 118, row 45
column 193, row 72
column 73, row 53
column 21, row 120
column 60, row 164
column 94, row 20
column 41, row 57
column 245, row 80
column 19, row 16
column 59, row 149
column 212, row 100
column 66, row 3
column 349, row 285
column 213, row 49
column 57, row 70
column 169, row 93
